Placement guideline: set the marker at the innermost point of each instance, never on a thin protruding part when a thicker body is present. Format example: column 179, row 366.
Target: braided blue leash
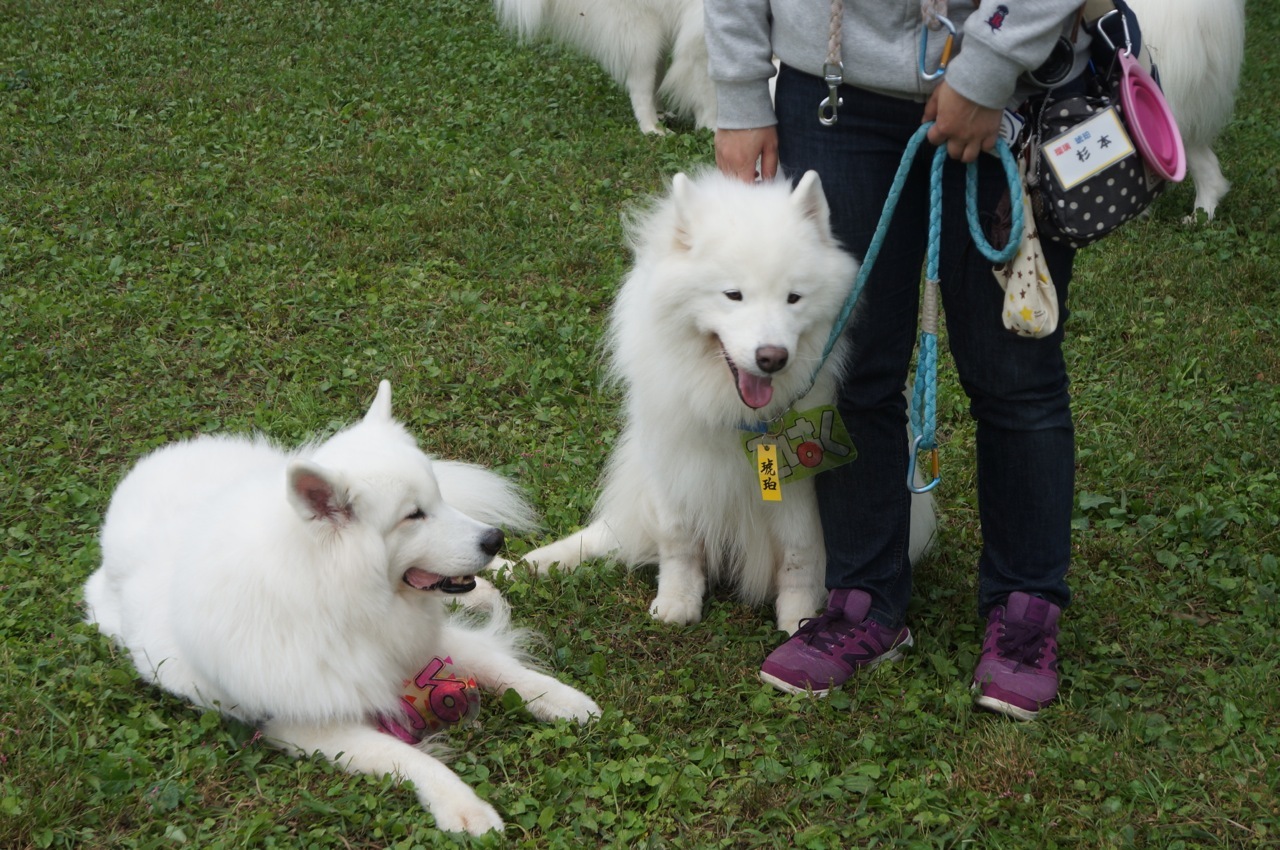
column 924, row 412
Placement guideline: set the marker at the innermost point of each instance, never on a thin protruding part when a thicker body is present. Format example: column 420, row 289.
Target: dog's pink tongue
column 755, row 391
column 421, row 579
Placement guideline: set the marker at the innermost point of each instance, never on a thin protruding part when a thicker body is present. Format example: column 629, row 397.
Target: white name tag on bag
column 1088, row 148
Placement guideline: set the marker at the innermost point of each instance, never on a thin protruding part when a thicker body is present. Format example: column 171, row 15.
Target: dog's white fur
column 656, row 49
column 723, row 272
column 1198, row 47
column 271, row 585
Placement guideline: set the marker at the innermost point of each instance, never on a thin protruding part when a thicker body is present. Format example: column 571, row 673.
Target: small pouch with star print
column 1030, row 300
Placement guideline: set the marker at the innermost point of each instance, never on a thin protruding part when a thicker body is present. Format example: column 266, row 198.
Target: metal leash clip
column 828, row 110
column 920, row 487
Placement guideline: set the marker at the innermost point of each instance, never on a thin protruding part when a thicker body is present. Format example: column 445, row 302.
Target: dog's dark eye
column 417, row 514
column 793, row 297
column 733, row 295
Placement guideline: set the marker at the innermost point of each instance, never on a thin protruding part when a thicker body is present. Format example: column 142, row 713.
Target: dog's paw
column 474, row 816
column 790, row 612
column 542, row 560
column 537, row 561
column 651, row 122
column 485, row 598
column 499, row 566
column 677, row 609
column 564, row 703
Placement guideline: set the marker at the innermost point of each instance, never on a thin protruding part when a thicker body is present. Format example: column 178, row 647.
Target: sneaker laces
column 820, row 631
column 1022, row 642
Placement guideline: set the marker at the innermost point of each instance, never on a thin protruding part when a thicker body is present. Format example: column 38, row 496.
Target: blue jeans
column 1017, row 387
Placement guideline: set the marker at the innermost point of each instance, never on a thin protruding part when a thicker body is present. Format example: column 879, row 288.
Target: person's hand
column 965, row 127
column 738, row 151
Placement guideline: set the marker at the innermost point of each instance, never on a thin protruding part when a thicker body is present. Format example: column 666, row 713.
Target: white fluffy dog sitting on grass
column 718, row 331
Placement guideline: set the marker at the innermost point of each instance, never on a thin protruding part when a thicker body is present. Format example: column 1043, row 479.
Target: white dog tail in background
column 483, row 495
column 523, row 17
column 474, row 490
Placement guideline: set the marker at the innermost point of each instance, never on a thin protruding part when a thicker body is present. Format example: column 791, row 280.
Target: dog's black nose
column 771, row 358
column 491, row 541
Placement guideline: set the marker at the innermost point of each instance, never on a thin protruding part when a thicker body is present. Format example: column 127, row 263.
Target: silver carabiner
column 1099, row 29
column 828, row 110
column 948, row 45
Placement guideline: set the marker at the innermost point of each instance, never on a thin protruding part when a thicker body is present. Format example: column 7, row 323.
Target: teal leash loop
column 971, row 209
column 924, row 407
column 924, row 411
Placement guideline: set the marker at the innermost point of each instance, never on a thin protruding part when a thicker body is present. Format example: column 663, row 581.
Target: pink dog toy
column 431, row 701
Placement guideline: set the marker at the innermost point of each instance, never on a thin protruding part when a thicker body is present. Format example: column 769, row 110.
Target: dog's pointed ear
column 318, row 494
column 380, row 410
column 681, row 198
column 812, row 203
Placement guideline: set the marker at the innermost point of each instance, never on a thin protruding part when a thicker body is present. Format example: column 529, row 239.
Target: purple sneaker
column 827, row 649
column 1018, row 672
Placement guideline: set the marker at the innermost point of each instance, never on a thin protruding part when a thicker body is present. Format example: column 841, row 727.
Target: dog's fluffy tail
column 523, row 17
column 484, row 495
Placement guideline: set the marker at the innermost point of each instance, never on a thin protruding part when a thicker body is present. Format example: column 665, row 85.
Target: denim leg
column 1019, row 398
column 865, row 505
column 1018, row 388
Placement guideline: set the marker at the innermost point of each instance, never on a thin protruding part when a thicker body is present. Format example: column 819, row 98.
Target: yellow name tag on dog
column 803, row 444
column 767, row 468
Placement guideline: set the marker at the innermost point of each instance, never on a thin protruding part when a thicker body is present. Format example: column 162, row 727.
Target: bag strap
column 1094, row 9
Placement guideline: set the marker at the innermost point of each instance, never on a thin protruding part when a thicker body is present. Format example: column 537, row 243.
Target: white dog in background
column 1198, row 46
column 655, row 48
column 298, row 590
column 721, row 323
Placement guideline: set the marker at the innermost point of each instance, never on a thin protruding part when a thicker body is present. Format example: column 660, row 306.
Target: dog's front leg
column 800, row 570
column 362, row 749
column 546, row 697
column 800, row 592
column 488, row 659
column 594, row 541
column 682, row 578
column 642, row 84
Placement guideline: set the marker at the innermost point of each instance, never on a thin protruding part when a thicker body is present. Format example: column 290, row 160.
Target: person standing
column 1017, row 387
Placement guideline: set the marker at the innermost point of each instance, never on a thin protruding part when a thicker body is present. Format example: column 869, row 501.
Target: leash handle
column 924, row 410
column 975, row 227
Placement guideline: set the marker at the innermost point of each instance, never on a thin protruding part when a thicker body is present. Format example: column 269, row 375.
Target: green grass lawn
column 228, row 215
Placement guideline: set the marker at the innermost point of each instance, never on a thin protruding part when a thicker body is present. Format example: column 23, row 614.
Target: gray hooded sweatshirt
column 998, row 42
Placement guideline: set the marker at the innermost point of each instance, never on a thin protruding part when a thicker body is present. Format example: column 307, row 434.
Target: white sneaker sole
column 1008, row 709
column 895, row 654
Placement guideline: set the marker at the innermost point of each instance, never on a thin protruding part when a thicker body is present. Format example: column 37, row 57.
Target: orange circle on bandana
column 809, row 453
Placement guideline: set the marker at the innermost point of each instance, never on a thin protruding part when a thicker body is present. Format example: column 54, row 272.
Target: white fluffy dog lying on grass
column 298, row 590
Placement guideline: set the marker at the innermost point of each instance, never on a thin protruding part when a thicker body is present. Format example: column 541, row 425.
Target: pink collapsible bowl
column 1150, row 121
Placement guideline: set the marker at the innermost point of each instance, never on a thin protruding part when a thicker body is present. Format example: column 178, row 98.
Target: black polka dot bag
column 1101, row 150
column 1085, row 176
